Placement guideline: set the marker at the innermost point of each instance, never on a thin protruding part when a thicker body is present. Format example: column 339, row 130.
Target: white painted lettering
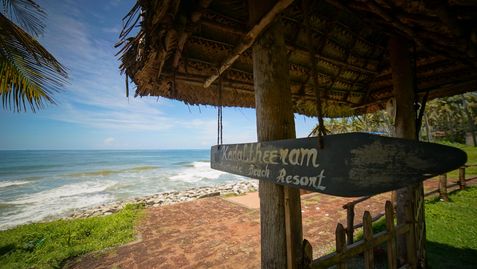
column 309, row 154
column 283, row 156
column 294, row 156
column 281, row 176
column 273, row 157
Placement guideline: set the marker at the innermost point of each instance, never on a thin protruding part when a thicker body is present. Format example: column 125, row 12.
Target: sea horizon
column 160, row 149
column 37, row 185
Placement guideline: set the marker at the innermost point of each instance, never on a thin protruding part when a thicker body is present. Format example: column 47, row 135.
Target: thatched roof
column 183, row 44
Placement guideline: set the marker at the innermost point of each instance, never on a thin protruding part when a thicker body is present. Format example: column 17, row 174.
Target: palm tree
column 451, row 117
column 29, row 74
column 377, row 122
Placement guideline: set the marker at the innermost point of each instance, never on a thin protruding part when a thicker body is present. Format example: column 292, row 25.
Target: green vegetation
column 471, row 159
column 49, row 245
column 452, row 231
column 445, row 119
column 231, row 194
column 449, row 118
column 29, row 74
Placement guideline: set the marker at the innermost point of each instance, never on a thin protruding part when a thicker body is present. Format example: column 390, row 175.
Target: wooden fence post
column 341, row 244
column 350, row 223
column 367, row 237
column 391, row 243
column 307, row 254
column 462, row 178
column 443, row 187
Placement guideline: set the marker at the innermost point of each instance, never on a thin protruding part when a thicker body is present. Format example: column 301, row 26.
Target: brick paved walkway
column 216, row 233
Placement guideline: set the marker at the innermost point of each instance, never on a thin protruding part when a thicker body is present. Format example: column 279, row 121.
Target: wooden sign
column 352, row 164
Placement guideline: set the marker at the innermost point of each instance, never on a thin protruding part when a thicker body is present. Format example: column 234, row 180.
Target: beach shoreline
column 163, row 198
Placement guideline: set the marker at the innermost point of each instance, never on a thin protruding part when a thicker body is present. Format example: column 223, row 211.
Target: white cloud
column 95, row 96
column 108, row 141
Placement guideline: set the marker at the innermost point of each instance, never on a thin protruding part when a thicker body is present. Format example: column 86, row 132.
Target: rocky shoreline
column 167, row 198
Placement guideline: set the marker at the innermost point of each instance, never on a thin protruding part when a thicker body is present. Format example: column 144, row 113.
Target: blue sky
column 93, row 111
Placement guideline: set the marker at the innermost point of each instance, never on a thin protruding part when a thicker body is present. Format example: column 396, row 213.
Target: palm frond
column 28, row 15
column 29, row 74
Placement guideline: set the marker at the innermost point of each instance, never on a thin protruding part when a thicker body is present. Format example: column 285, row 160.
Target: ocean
column 41, row 184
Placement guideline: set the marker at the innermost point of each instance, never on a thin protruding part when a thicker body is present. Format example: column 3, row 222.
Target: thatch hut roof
column 181, row 45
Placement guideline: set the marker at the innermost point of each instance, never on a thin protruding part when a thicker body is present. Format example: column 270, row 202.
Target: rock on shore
column 167, row 198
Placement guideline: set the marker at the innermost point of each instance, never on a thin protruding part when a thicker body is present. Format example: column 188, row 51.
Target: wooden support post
column 280, row 208
column 443, row 188
column 462, row 177
column 405, row 127
column 350, row 223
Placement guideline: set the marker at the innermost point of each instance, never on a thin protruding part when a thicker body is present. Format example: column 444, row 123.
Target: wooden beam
column 246, row 88
column 250, row 38
column 413, row 35
column 194, row 18
column 344, row 27
column 223, row 27
column 297, row 66
column 337, row 62
column 291, row 46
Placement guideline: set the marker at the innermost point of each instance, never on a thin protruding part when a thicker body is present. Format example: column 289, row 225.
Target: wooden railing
column 344, row 252
column 347, row 250
column 442, row 190
column 444, row 187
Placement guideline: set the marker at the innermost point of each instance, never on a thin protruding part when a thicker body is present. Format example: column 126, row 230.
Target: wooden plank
column 352, row 164
column 391, row 243
column 357, row 248
column 340, row 245
column 350, row 224
column 368, row 237
column 307, row 254
column 293, row 227
column 443, row 188
column 462, row 178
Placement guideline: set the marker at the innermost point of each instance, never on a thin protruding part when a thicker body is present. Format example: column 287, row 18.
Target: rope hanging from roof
column 127, row 86
column 219, row 113
column 314, row 74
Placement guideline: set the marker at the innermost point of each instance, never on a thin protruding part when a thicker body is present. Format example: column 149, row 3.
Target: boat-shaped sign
column 352, row 164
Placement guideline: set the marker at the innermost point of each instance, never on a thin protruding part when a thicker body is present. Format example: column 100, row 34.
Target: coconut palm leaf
column 29, row 74
column 28, row 15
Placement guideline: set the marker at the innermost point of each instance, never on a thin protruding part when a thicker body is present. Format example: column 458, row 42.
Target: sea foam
column 56, row 202
column 4, row 184
column 199, row 171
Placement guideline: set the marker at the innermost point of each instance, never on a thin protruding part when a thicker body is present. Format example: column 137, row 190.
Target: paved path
column 218, row 233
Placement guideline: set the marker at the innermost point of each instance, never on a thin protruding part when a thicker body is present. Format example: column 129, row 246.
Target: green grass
column 51, row 244
column 378, row 226
column 452, row 231
column 471, row 159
